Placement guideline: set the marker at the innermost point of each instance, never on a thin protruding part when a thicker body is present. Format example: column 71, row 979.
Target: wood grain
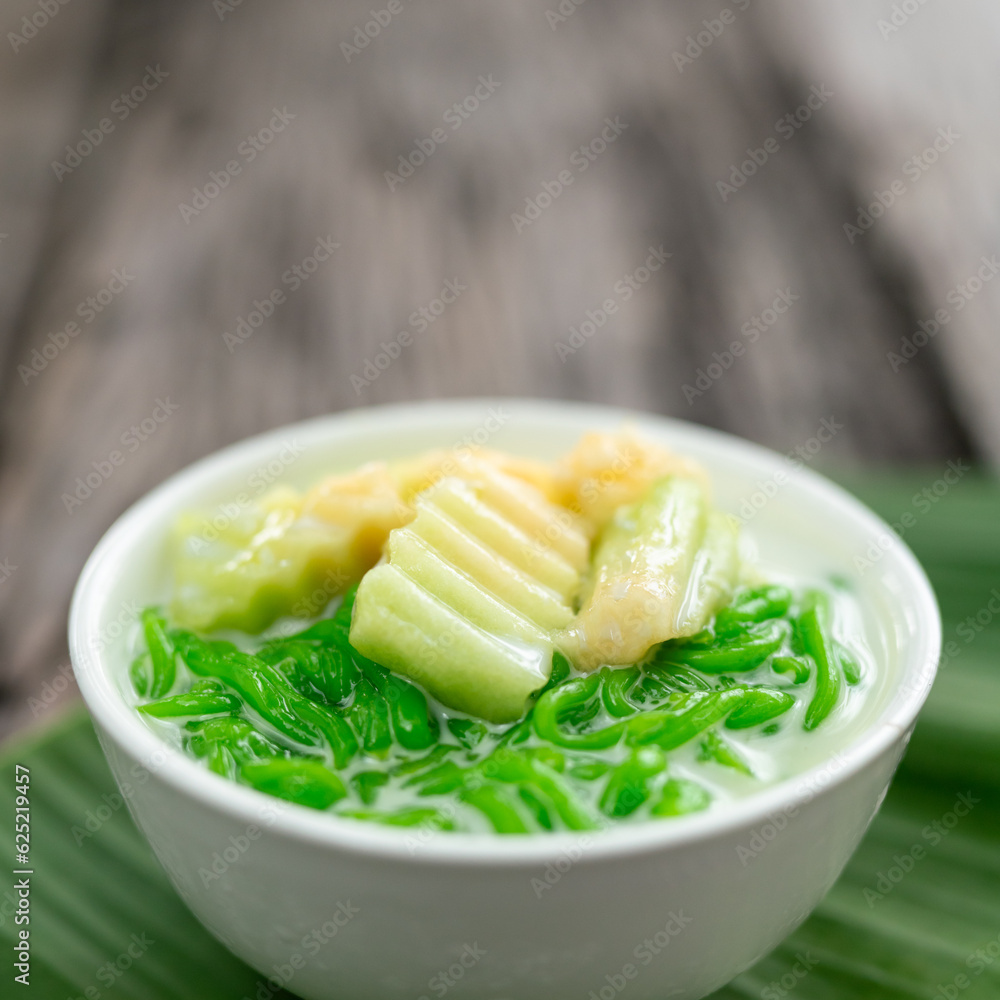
column 190, row 277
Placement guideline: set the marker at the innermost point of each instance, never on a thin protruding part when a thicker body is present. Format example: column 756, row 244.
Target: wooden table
column 215, row 216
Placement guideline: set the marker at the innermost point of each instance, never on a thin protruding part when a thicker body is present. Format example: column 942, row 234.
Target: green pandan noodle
column 307, row 718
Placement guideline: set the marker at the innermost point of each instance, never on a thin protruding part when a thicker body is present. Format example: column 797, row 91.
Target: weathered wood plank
column 44, row 67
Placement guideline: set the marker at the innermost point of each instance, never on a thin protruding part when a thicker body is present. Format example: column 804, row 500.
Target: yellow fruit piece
column 366, row 505
column 415, row 475
column 606, row 471
column 661, row 568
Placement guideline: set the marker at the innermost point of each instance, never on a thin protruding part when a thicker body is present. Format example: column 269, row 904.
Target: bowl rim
column 120, row 722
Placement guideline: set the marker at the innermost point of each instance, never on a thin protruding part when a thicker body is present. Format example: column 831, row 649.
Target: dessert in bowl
column 635, row 744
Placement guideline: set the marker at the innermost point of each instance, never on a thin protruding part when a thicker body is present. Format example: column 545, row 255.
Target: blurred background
column 218, row 216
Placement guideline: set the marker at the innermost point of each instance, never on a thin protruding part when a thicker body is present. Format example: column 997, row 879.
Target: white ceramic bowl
column 335, row 909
